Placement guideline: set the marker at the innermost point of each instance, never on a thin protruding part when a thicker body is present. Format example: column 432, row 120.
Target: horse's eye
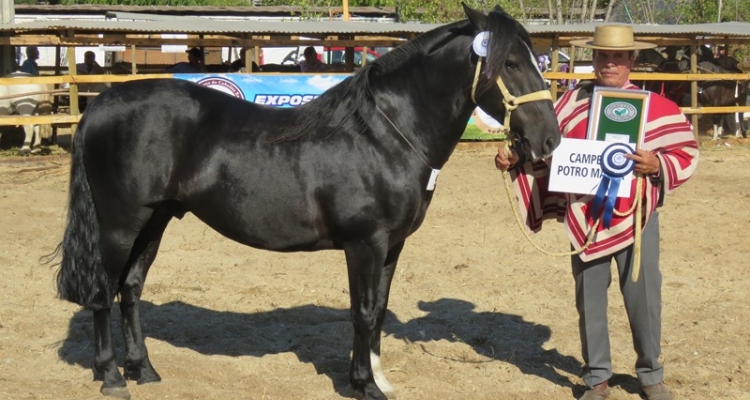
column 511, row 65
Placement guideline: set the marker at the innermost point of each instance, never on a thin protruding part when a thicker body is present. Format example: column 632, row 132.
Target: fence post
column 694, row 88
column 71, row 52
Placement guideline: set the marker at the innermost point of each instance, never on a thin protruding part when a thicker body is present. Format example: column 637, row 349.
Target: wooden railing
column 74, row 80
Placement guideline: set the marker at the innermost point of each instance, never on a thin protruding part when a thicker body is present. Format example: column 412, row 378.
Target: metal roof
column 193, row 25
column 156, row 24
column 737, row 30
column 98, row 9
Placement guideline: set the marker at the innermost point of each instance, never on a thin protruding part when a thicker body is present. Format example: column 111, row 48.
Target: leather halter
column 509, row 101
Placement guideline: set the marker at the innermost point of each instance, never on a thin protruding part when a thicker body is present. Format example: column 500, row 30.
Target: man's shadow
column 322, row 336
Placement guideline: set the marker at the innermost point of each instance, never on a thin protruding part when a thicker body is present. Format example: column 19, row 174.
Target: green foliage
column 157, row 2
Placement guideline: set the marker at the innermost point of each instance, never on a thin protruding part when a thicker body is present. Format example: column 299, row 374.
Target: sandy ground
column 475, row 312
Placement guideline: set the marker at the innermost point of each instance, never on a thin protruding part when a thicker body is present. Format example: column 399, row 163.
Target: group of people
column 89, row 66
column 195, row 63
column 666, row 159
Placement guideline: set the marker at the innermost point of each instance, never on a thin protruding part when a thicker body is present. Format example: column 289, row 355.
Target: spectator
column 239, row 64
column 29, row 66
column 194, row 65
column 311, row 63
column 89, row 66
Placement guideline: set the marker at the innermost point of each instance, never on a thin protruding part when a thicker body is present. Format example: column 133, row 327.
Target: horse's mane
column 343, row 102
column 347, row 101
column 503, row 29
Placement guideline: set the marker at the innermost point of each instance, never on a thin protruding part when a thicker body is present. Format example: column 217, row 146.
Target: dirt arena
column 475, row 311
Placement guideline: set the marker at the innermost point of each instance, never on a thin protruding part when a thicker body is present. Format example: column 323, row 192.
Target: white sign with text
column 576, row 168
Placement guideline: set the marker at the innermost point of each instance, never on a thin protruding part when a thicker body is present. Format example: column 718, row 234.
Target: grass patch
column 473, row 133
column 54, row 150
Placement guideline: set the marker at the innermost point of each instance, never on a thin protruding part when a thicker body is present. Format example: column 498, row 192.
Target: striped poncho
column 668, row 135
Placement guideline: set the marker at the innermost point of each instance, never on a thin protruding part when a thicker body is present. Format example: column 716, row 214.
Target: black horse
column 352, row 170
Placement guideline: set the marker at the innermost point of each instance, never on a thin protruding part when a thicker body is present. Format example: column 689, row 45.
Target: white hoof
column 380, row 379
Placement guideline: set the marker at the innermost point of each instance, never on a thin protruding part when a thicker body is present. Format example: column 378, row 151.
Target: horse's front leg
column 384, row 289
column 371, row 267
column 28, row 131
column 105, row 364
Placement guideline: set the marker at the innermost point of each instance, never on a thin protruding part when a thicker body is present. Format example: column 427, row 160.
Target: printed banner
column 288, row 90
column 291, row 90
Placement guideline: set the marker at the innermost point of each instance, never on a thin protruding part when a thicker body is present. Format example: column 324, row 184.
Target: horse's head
column 508, row 85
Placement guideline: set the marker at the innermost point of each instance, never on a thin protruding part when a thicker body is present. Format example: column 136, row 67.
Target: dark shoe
column 657, row 392
column 598, row 392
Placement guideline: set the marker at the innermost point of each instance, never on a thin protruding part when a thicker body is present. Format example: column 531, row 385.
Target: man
column 29, row 66
column 239, row 64
column 666, row 160
column 311, row 63
column 194, row 65
column 89, row 66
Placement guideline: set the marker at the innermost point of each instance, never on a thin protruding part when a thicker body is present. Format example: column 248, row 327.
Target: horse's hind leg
column 371, row 267
column 137, row 364
column 105, row 365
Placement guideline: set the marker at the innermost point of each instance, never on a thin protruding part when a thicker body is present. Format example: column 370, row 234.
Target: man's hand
column 504, row 161
column 646, row 163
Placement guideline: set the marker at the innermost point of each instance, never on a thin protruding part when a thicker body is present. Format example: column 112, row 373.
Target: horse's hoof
column 24, row 152
column 121, row 392
column 36, row 150
column 144, row 373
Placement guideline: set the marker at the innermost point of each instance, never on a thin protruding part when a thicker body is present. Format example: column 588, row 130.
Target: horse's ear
column 498, row 9
column 476, row 17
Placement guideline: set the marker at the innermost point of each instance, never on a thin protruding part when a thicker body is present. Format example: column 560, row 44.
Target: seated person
column 89, row 66
column 194, row 65
column 311, row 63
column 29, row 66
column 239, row 64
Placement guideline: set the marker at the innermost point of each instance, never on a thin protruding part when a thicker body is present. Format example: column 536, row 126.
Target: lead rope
column 590, row 236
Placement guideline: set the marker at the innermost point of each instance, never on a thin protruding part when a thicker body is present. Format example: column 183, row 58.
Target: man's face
column 89, row 58
column 612, row 67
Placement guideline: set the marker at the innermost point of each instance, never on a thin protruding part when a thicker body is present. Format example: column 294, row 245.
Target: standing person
column 311, row 62
column 29, row 66
column 667, row 159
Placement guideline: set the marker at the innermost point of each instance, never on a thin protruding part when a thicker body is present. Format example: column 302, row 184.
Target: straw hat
column 612, row 37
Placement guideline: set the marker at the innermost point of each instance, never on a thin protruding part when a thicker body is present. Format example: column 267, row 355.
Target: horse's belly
column 266, row 227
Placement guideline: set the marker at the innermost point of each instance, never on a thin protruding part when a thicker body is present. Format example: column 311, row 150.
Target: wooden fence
column 73, row 117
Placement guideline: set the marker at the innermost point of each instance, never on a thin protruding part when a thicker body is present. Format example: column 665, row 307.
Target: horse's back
column 202, row 151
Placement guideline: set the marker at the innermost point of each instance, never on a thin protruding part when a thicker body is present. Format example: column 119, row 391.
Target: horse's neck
column 432, row 120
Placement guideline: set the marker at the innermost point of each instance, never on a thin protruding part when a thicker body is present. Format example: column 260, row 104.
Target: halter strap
column 509, row 101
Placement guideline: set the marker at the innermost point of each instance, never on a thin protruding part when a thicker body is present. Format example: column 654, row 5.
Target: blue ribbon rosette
column 615, row 166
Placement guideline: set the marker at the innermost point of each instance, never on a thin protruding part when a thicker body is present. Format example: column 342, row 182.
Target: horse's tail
column 82, row 278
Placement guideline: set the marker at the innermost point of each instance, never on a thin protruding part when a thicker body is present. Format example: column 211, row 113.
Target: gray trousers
column 642, row 303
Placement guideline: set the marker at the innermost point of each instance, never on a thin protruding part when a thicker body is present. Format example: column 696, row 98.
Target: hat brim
column 589, row 44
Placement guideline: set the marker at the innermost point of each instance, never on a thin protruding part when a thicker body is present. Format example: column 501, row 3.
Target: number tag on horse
column 433, row 179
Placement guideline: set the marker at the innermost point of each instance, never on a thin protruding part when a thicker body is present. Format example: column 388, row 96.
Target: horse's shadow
column 322, row 336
